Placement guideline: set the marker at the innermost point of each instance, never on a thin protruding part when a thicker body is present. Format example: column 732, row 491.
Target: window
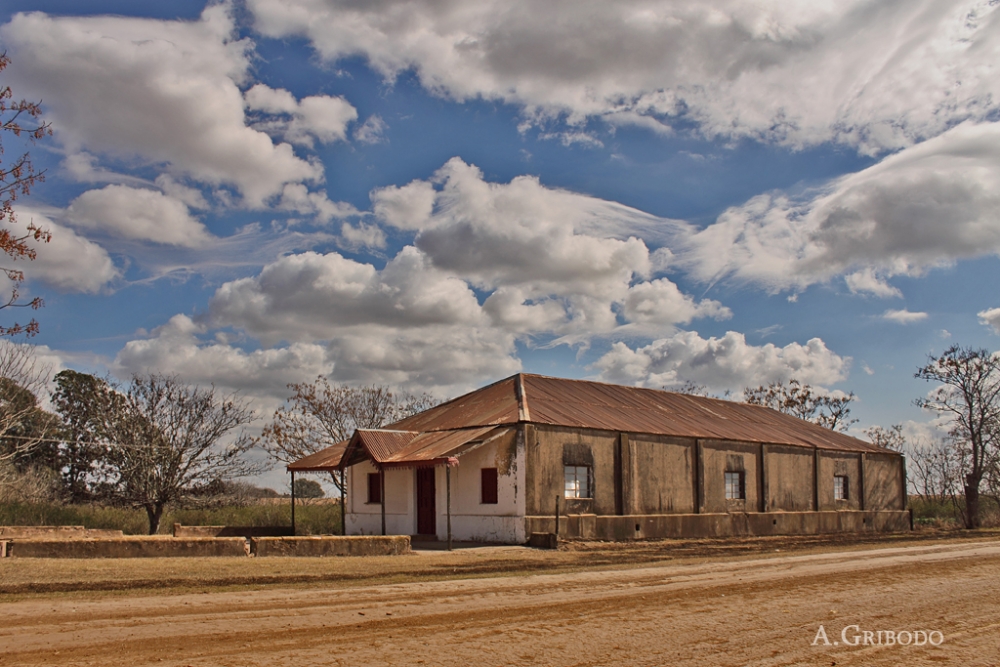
column 489, row 486
column 734, row 486
column 840, row 487
column 374, row 488
column 577, row 482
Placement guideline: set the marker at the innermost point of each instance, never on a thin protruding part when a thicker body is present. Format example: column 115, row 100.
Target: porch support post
column 816, row 479
column 343, row 502
column 293, row 502
column 447, row 486
column 381, row 481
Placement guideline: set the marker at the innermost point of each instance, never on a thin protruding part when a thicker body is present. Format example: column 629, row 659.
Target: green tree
column 82, row 401
column 22, row 428
column 308, row 488
column 27, row 423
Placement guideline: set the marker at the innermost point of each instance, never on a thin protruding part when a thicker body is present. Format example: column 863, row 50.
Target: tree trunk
column 154, row 511
column 972, row 502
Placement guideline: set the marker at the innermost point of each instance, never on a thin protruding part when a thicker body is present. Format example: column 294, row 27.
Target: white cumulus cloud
column 164, row 91
column 320, row 118
column 991, row 318
column 69, row 262
column 177, row 348
column 871, row 75
column 728, row 362
column 925, row 206
column 138, row 214
column 903, row 316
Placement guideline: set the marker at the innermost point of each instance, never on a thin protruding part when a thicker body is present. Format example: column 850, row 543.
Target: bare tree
column 318, row 415
column 694, row 389
column 831, row 411
column 890, row 438
column 167, row 437
column 970, row 395
column 936, row 472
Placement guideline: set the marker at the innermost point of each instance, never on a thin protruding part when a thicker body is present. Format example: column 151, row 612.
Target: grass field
column 310, row 518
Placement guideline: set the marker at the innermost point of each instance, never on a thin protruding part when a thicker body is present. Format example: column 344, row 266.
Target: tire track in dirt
column 765, row 611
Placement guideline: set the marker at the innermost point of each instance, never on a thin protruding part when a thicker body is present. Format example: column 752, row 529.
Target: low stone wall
column 334, row 545
column 55, row 532
column 637, row 527
column 128, row 547
column 232, row 531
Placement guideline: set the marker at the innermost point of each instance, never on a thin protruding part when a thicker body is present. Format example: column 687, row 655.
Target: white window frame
column 841, row 487
column 735, row 485
column 577, row 482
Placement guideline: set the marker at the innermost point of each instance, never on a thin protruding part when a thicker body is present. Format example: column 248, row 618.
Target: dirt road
column 761, row 611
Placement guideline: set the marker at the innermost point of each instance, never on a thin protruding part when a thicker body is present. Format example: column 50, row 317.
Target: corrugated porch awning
column 325, row 460
column 399, row 449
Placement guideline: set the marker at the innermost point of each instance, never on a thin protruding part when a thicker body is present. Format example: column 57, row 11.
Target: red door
column 426, row 514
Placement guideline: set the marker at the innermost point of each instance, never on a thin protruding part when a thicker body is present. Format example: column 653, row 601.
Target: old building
column 620, row 462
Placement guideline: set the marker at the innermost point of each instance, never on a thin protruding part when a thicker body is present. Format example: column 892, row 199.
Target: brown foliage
column 167, row 436
column 20, row 118
column 802, row 401
column 319, row 415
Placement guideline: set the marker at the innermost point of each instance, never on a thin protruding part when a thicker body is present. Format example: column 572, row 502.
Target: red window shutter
column 374, row 488
column 489, row 486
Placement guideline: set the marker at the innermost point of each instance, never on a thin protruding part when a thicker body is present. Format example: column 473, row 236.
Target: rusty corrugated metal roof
column 444, row 429
column 436, row 445
column 585, row 404
column 324, row 459
column 494, row 404
column 632, row 409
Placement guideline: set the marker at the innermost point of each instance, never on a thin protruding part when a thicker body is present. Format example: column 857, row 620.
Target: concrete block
column 332, row 545
column 718, row 524
column 232, row 531
column 128, row 547
column 543, row 541
column 55, row 532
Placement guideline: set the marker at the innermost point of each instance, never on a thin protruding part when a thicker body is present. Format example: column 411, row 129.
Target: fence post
column 293, row 502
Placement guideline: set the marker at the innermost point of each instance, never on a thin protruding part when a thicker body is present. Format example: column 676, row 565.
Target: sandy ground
column 749, row 611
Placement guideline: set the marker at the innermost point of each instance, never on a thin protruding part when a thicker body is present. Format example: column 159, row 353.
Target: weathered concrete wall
column 883, row 482
column 789, row 476
column 550, row 448
column 336, row 545
column 151, row 546
column 847, row 464
column 55, row 532
column 471, row 520
column 719, row 457
column 664, row 471
column 719, row 524
column 231, row 531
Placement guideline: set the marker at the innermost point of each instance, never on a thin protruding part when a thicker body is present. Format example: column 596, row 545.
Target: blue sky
column 435, row 195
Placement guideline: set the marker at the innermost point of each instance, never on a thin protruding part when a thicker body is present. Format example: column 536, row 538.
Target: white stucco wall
column 470, row 519
column 366, row 519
